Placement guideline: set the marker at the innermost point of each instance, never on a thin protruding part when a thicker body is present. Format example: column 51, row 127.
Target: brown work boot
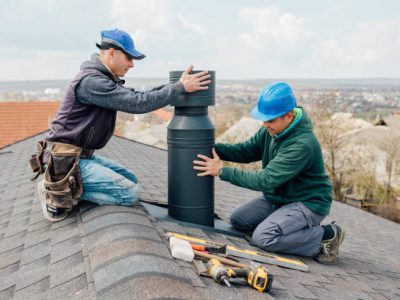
column 329, row 250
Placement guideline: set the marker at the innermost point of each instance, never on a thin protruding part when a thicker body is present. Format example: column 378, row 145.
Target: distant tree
column 225, row 116
column 363, row 178
column 338, row 156
column 391, row 146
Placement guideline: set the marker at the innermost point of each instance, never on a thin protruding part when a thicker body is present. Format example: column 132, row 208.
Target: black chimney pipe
column 190, row 132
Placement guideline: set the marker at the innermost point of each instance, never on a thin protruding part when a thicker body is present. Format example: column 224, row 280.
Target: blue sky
column 49, row 39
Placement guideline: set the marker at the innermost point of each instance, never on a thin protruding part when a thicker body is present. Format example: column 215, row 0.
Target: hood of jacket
column 95, row 63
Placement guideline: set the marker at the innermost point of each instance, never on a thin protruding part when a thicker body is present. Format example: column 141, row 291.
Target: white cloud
column 279, row 45
column 143, row 19
column 332, row 51
column 191, row 26
column 40, row 65
column 51, row 39
column 272, row 30
column 371, row 49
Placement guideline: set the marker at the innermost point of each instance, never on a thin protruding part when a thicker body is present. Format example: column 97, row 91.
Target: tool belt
column 62, row 179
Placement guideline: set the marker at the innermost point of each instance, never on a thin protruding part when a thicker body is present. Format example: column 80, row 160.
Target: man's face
column 120, row 63
column 279, row 124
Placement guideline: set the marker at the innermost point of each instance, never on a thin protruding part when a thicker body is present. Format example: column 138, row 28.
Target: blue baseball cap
column 119, row 40
column 274, row 101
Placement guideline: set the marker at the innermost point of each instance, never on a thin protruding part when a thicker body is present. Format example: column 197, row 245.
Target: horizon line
column 231, row 79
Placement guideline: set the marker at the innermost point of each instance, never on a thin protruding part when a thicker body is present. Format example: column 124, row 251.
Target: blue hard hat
column 119, row 40
column 274, row 101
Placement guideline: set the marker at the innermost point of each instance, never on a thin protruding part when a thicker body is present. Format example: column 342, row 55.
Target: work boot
column 329, row 250
column 53, row 214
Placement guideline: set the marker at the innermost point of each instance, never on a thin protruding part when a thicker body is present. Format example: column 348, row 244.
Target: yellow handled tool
column 259, row 256
column 256, row 277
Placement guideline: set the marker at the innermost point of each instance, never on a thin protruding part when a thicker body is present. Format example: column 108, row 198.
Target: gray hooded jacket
column 87, row 114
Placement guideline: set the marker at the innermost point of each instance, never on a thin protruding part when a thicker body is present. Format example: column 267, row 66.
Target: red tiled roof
column 163, row 114
column 20, row 120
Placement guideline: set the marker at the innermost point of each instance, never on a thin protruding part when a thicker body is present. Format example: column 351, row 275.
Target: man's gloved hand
column 195, row 82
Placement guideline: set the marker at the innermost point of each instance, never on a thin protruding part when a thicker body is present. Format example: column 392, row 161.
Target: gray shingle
column 35, row 252
column 12, row 242
column 35, row 288
column 126, row 247
column 115, row 218
column 152, row 286
column 115, row 252
column 11, row 256
column 67, row 270
column 113, row 233
column 138, row 265
column 7, row 293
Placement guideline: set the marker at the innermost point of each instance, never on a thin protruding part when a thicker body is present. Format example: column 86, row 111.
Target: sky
column 241, row 39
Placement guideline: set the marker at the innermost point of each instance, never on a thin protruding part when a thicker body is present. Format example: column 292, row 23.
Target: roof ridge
column 115, row 136
column 24, row 139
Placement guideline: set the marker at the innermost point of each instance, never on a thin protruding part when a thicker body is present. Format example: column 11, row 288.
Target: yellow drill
column 256, row 276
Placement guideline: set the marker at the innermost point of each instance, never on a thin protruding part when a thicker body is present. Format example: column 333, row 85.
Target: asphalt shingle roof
column 114, row 252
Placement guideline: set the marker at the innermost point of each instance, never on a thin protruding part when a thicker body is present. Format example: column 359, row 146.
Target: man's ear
column 111, row 52
column 290, row 115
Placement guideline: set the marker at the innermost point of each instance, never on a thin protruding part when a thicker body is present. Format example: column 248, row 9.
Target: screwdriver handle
column 198, row 247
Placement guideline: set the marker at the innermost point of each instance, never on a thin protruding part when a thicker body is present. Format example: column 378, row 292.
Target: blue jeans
column 106, row 182
column 292, row 228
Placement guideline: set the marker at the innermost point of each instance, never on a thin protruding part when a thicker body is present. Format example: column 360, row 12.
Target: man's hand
column 210, row 166
column 195, row 82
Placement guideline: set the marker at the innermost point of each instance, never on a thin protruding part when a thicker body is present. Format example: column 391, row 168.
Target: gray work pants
column 292, row 228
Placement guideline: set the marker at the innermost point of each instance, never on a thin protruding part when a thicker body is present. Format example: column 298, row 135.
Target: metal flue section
column 190, row 132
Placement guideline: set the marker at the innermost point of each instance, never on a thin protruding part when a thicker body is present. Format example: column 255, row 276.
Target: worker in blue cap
column 86, row 121
column 296, row 192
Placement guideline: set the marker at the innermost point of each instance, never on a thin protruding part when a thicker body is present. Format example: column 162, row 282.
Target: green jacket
column 292, row 166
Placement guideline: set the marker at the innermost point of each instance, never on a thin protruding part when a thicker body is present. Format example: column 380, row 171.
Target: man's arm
column 100, row 90
column 288, row 163
column 245, row 152
column 248, row 151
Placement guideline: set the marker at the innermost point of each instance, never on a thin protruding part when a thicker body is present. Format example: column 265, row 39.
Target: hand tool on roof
column 218, row 271
column 209, row 249
column 259, row 256
column 181, row 249
column 224, row 260
column 255, row 276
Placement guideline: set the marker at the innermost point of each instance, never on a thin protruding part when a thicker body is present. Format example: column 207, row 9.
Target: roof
column 114, row 252
column 163, row 114
column 393, row 121
column 20, row 120
column 240, row 131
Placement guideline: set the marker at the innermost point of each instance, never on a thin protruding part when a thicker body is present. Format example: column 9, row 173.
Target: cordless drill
column 256, row 276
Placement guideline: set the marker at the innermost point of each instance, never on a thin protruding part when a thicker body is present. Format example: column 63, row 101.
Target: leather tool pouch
column 36, row 160
column 62, row 178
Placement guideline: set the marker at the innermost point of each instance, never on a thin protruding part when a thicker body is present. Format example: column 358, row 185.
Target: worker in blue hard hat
column 86, row 121
column 296, row 192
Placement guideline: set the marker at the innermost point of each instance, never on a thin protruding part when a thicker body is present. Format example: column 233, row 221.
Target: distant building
column 147, row 132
